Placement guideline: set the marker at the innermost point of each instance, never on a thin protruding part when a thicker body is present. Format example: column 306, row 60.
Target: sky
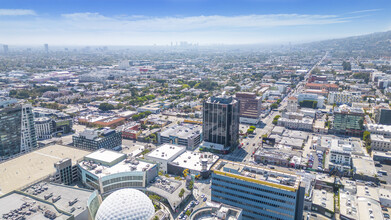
column 206, row 22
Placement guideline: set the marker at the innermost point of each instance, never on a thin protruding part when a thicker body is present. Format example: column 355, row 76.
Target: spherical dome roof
column 126, row 204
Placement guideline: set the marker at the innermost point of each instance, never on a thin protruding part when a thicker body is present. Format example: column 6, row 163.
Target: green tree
column 188, row 213
column 274, row 106
column 275, row 119
column 106, row 106
column 253, row 127
column 366, row 136
column 346, row 65
column 181, row 193
column 250, row 131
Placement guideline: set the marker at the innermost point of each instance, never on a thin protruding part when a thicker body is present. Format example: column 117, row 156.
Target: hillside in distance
column 373, row 45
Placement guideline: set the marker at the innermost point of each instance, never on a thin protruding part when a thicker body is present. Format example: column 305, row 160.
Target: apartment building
column 344, row 97
column 96, row 139
column 250, row 107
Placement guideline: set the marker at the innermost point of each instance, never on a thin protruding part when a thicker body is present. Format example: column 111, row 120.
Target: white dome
column 126, row 204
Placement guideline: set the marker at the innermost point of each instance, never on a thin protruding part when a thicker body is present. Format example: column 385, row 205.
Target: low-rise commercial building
column 165, row 154
column 311, row 97
column 221, row 211
column 107, row 170
column 154, row 108
column 378, row 129
column 323, row 202
column 304, row 124
column 197, row 163
column 131, row 131
column 67, row 198
column 322, row 86
column 380, row 143
column 364, row 169
column 18, row 205
column 186, row 135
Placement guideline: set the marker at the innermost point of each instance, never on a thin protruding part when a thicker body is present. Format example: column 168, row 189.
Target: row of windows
column 92, row 183
column 258, row 195
column 242, row 205
column 88, row 176
column 259, row 201
column 122, row 185
column 255, row 188
column 257, row 207
column 123, row 178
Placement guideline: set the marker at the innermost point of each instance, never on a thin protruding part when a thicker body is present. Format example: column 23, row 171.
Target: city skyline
column 202, row 22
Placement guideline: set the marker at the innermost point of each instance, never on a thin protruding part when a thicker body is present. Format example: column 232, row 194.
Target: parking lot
column 386, row 168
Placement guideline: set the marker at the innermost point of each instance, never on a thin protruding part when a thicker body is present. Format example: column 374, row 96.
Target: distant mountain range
column 370, row 45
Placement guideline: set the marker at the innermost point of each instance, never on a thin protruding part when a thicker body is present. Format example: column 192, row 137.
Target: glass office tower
column 221, row 121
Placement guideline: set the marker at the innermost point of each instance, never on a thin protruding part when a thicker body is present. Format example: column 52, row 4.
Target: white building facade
column 344, row 97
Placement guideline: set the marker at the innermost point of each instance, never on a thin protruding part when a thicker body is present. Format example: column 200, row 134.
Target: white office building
column 305, row 123
column 164, row 154
column 187, row 135
column 379, row 129
column 107, row 171
column 311, row 97
column 340, row 155
column 379, row 142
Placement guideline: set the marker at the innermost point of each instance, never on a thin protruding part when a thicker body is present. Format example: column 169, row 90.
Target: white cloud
column 364, row 11
column 198, row 22
column 93, row 29
column 16, row 12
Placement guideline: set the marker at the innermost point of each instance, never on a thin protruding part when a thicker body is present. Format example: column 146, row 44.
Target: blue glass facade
column 257, row 201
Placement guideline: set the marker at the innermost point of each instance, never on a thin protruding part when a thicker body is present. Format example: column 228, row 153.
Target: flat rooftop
column 376, row 137
column 364, row 166
column 369, row 209
column 323, row 198
column 31, row 167
column 260, row 175
column 192, row 160
column 127, row 165
column 166, row 152
column 105, row 156
column 67, row 193
column 160, row 188
column 182, row 131
column 34, row 208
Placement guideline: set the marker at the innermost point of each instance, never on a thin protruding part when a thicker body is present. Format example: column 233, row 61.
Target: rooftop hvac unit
column 48, row 196
column 56, row 199
column 73, row 202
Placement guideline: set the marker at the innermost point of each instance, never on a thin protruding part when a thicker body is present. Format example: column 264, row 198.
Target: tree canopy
column 106, row 106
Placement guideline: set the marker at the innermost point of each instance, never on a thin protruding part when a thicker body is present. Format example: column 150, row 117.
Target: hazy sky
column 147, row 22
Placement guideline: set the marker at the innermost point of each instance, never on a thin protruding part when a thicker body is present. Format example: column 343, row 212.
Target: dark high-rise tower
column 17, row 132
column 221, row 121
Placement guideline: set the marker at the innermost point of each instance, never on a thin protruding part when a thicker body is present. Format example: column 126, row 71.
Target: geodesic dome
column 124, row 204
